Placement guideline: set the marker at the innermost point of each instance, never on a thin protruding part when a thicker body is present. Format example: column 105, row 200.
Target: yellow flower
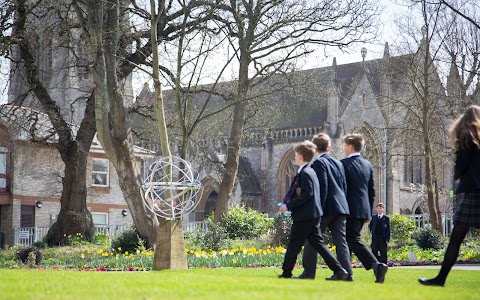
column 82, row 255
column 100, row 251
column 119, row 248
column 234, row 261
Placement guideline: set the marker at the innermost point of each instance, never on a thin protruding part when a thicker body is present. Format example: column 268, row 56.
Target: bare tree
column 100, row 22
column 462, row 58
column 464, row 8
column 74, row 216
column 423, row 123
column 267, row 37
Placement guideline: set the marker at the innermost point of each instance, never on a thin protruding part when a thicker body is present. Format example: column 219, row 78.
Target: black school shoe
column 283, row 275
column 302, row 276
column 380, row 271
column 340, row 274
column 431, row 282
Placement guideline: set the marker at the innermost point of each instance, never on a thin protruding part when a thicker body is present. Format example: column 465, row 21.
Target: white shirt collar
column 380, row 216
column 354, row 154
column 301, row 167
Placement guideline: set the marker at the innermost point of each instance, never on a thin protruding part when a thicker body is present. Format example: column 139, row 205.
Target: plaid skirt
column 467, row 210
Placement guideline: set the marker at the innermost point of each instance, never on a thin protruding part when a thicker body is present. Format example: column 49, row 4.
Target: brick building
column 30, row 184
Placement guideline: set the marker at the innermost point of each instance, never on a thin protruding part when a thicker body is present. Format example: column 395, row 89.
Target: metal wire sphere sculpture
column 171, row 187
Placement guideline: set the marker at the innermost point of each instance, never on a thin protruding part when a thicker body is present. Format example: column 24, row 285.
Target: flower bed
column 97, row 258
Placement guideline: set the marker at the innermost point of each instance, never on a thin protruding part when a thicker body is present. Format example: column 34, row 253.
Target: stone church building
column 340, row 99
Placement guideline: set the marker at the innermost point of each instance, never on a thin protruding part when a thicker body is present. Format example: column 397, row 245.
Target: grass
column 230, row 283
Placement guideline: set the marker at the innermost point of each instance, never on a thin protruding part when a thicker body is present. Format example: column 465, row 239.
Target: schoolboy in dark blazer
column 360, row 197
column 306, row 215
column 380, row 229
column 331, row 176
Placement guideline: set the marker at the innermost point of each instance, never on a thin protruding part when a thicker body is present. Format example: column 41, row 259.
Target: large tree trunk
column 234, row 141
column 111, row 117
column 433, row 206
column 74, row 217
column 432, row 201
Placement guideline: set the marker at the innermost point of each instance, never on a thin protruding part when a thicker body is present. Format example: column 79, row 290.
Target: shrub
column 402, row 228
column 214, row 237
column 129, row 240
column 427, row 238
column 40, row 244
column 327, row 236
column 101, row 239
column 245, row 223
column 282, row 227
column 30, row 255
column 194, row 239
column 75, row 240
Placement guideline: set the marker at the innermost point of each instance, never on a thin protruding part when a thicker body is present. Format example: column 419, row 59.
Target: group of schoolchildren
column 339, row 195
column 327, row 193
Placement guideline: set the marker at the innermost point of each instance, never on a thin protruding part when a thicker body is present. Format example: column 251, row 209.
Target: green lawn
column 230, row 283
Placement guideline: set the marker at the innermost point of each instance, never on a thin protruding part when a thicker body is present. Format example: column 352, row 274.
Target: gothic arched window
column 290, row 172
column 286, row 172
column 412, row 164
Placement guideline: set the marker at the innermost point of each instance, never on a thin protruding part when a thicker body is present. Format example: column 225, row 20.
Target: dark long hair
column 466, row 129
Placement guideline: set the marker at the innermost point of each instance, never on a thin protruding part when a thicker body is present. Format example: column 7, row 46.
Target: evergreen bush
column 129, row 240
column 245, row 223
column 427, row 238
column 40, row 244
column 214, row 237
column 401, row 230
column 30, row 255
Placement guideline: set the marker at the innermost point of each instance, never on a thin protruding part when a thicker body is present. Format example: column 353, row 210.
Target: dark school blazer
column 333, row 185
column 305, row 201
column 360, row 186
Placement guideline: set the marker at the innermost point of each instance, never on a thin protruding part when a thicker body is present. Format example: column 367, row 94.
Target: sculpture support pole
column 170, row 247
column 169, row 192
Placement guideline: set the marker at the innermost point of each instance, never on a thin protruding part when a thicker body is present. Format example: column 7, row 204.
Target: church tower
column 62, row 58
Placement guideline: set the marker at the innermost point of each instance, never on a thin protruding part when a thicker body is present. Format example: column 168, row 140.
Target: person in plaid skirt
column 465, row 137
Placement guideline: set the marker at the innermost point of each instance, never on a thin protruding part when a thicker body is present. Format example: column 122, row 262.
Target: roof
column 302, row 96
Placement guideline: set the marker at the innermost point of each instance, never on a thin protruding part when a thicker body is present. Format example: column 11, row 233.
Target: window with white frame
column 3, row 169
column 100, row 218
column 100, row 171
